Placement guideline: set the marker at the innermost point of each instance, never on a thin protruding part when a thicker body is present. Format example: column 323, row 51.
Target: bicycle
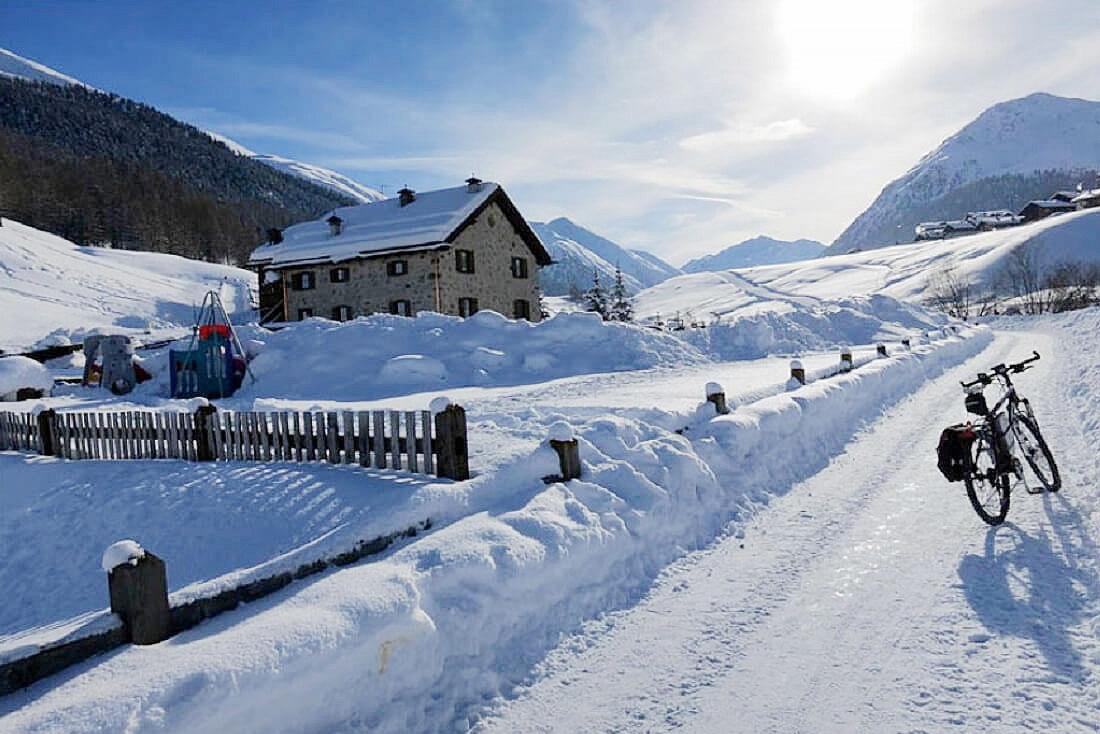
column 987, row 453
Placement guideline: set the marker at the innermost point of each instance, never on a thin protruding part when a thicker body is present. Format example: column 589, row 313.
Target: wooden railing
column 413, row 440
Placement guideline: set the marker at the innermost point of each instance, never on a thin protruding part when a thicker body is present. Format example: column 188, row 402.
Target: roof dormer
column 406, row 196
column 335, row 225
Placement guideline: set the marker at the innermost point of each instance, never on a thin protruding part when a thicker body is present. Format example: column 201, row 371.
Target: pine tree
column 595, row 298
column 621, row 307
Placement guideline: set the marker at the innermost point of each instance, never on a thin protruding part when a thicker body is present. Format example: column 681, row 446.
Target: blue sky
column 676, row 127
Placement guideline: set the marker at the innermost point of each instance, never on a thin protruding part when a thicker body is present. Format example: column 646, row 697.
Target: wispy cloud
column 736, row 136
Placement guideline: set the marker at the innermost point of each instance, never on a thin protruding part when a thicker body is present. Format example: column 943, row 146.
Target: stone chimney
column 473, row 185
column 335, row 225
column 407, row 196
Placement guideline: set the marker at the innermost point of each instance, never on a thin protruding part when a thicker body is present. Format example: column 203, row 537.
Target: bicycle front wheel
column 986, row 487
column 1037, row 453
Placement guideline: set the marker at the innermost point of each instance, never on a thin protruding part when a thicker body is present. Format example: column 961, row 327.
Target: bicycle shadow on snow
column 1023, row 586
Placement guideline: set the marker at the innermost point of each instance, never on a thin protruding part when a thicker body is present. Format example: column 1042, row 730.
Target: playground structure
column 214, row 364
column 109, row 362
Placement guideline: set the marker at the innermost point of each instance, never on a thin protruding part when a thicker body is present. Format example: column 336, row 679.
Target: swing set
column 214, row 364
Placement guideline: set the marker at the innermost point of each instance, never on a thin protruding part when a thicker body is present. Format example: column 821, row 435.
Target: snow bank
column 424, row 639
column 381, row 355
column 17, row 373
column 789, row 329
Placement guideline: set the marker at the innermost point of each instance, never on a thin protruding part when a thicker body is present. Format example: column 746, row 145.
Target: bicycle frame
column 1000, row 420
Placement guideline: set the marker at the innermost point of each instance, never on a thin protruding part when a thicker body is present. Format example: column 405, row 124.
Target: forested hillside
column 97, row 168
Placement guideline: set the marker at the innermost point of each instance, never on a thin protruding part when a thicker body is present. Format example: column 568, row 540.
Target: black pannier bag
column 975, row 403
column 953, row 451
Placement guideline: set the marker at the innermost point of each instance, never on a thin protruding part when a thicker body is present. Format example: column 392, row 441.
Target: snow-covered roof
column 431, row 219
column 1087, row 195
column 1052, row 204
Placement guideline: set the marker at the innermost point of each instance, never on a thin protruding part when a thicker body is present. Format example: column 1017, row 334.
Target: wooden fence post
column 47, row 431
column 139, row 595
column 569, row 458
column 881, row 348
column 716, row 395
column 797, row 371
column 204, row 419
column 450, row 435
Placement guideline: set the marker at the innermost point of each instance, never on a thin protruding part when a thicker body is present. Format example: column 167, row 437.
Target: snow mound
column 17, row 373
column 382, row 356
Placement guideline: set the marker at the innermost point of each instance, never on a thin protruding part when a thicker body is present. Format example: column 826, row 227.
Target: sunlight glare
column 837, row 48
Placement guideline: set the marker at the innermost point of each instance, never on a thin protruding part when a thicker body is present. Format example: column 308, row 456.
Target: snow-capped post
column 717, row 395
column 881, row 348
column 569, row 457
column 797, row 371
column 47, row 432
column 450, row 440
column 204, row 420
column 846, row 359
column 139, row 591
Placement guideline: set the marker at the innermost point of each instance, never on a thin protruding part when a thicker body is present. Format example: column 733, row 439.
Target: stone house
column 454, row 251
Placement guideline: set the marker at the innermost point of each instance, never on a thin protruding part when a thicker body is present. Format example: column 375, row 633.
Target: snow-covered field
column 53, row 292
column 796, row 565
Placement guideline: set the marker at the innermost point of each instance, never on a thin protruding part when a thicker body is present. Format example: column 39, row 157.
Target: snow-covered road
column 868, row 598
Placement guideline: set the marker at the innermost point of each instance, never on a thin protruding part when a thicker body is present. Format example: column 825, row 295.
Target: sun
column 837, row 48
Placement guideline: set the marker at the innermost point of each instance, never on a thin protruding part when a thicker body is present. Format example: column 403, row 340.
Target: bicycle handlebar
column 1001, row 369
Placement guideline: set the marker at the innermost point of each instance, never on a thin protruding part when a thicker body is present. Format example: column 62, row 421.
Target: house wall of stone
column 494, row 243
column 369, row 289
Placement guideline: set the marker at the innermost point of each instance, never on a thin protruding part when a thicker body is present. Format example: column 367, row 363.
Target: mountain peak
column 760, row 250
column 1039, row 133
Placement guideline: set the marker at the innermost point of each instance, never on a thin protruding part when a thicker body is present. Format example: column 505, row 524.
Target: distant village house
column 1036, row 210
column 454, row 251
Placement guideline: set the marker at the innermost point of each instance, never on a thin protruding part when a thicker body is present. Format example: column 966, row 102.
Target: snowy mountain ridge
column 760, row 250
column 578, row 253
column 1040, row 132
column 16, row 66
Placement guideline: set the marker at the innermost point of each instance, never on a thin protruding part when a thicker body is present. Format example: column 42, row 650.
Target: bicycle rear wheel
column 1036, row 453
column 986, row 487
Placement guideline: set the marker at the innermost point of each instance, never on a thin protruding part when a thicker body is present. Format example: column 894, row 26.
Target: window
column 401, row 307
column 338, row 275
column 464, row 261
column 467, row 306
column 304, row 313
column 341, row 313
column 303, row 281
column 519, row 267
column 397, row 267
column 521, row 309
